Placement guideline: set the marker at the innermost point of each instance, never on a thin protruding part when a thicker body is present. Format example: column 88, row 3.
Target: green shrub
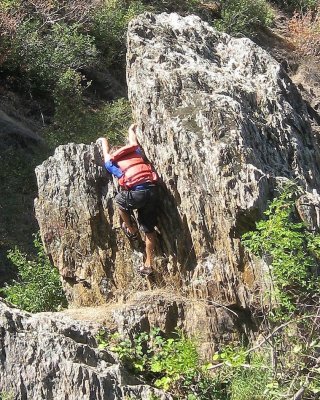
column 18, row 190
column 182, row 6
column 297, row 5
column 250, row 383
column 109, row 26
column 243, row 17
column 6, row 396
column 39, row 287
column 74, row 122
column 174, row 365
column 169, row 364
column 45, row 55
column 293, row 251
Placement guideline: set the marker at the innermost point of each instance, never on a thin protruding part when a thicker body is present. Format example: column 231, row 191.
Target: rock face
column 79, row 225
column 14, row 132
column 53, row 357
column 223, row 125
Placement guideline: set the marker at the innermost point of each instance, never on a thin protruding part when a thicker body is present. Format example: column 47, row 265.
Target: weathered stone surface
column 15, row 132
column 308, row 206
column 209, row 324
column 47, row 356
column 222, row 123
column 79, row 226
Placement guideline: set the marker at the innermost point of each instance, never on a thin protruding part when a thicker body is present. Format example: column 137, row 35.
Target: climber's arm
column 110, row 166
column 105, row 148
column 132, row 136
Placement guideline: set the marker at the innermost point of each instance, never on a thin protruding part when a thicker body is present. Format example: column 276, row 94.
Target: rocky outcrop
column 79, row 226
column 308, row 207
column 223, row 125
column 47, row 356
column 14, row 132
column 210, row 323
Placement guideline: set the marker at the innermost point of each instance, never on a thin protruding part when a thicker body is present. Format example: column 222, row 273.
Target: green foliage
column 18, row 190
column 276, row 370
column 8, row 4
column 181, row 6
column 292, row 249
column 243, row 17
column 45, row 55
column 109, row 26
column 39, row 287
column 173, row 358
column 74, row 122
column 170, row 364
column 249, row 383
column 297, row 5
column 6, row 396
column 245, row 375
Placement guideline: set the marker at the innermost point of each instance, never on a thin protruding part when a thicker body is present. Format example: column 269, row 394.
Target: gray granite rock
column 48, row 356
column 223, row 125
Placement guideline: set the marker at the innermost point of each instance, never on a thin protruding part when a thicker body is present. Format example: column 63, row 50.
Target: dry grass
column 47, row 11
column 304, row 32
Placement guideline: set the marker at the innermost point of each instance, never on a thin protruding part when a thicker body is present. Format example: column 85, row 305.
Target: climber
column 138, row 182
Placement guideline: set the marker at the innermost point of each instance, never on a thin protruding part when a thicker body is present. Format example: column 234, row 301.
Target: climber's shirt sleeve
column 113, row 169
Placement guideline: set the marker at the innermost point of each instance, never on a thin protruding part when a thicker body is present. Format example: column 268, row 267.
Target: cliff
column 223, row 124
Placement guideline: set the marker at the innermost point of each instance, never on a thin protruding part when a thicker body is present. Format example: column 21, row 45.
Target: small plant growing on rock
column 292, row 250
column 39, row 287
column 171, row 364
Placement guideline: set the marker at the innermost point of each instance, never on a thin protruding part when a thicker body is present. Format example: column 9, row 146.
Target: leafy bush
column 170, row 364
column 297, row 5
column 293, row 250
column 74, row 122
column 109, row 26
column 6, row 396
column 294, row 254
column 278, row 368
column 242, row 17
column 174, row 365
column 48, row 54
column 248, row 383
column 39, row 287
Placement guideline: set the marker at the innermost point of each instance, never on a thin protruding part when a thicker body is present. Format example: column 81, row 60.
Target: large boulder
column 47, row 356
column 223, row 125
column 79, row 226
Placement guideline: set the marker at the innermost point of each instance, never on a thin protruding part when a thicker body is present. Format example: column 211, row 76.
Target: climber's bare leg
column 125, row 216
column 150, row 246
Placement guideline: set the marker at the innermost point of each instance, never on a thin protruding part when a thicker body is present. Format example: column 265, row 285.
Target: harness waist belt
column 143, row 186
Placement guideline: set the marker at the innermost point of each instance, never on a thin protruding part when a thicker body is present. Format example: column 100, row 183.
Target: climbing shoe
column 131, row 236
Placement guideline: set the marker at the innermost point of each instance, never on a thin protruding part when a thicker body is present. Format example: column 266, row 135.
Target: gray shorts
column 145, row 202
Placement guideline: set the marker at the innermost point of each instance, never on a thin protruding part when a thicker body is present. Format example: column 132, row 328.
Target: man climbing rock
column 138, row 182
